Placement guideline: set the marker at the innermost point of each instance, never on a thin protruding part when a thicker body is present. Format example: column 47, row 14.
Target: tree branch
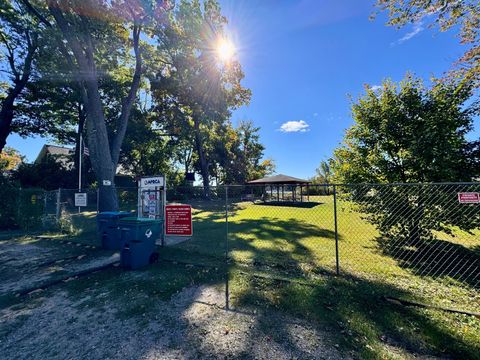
column 36, row 13
column 10, row 56
column 128, row 101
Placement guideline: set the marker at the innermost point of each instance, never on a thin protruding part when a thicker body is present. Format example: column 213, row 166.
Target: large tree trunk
column 203, row 160
column 6, row 117
column 98, row 144
column 104, row 154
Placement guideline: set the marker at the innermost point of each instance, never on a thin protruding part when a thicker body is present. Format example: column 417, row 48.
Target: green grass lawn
column 283, row 258
column 268, row 243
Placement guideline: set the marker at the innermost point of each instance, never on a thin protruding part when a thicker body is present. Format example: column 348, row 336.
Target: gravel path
column 189, row 326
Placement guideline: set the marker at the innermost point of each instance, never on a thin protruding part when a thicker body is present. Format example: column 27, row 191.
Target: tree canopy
column 409, row 133
column 98, row 68
column 463, row 15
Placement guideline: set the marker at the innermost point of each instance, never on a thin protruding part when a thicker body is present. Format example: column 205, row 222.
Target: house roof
column 53, row 150
column 279, row 179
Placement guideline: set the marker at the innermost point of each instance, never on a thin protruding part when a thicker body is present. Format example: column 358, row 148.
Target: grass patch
column 297, row 245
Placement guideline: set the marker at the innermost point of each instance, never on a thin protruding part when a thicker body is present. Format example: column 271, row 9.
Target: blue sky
column 303, row 59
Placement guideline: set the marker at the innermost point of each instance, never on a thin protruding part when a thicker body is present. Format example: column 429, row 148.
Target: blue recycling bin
column 107, row 228
column 138, row 237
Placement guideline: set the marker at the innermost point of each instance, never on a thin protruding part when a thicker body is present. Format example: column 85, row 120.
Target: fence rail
column 414, row 235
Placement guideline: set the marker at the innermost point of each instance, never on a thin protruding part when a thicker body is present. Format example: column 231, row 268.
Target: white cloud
column 294, row 126
column 417, row 29
column 376, row 87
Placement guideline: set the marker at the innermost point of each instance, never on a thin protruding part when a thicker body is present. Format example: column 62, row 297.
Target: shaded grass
column 360, row 318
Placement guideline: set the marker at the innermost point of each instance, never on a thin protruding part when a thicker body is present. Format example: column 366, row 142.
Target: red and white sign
column 469, row 198
column 178, row 220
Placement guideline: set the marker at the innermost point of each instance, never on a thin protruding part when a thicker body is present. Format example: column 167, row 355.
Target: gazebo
column 282, row 188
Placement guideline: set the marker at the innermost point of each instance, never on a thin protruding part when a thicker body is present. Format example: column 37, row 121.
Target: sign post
column 80, row 199
column 178, row 220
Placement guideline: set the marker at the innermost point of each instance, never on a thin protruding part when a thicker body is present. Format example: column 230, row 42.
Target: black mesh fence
column 424, row 238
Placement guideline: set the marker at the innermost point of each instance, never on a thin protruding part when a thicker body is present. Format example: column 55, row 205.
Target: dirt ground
column 189, row 326
column 46, row 312
column 51, row 323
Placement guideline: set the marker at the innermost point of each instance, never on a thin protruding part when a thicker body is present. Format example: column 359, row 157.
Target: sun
column 225, row 49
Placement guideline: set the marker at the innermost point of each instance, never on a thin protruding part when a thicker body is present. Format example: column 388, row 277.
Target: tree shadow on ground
column 286, row 245
column 353, row 309
column 436, row 259
column 349, row 308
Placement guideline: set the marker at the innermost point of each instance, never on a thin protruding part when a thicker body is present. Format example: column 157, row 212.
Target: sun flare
column 225, row 49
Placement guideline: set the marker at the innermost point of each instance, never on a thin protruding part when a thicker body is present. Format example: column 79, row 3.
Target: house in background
column 61, row 154
column 65, row 156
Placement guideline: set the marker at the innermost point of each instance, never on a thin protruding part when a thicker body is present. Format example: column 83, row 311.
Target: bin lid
column 111, row 214
column 135, row 220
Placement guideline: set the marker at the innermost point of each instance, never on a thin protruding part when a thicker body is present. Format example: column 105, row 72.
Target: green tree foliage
column 147, row 149
column 408, row 133
column 10, row 159
column 93, row 34
column 49, row 174
column 195, row 92
column 461, row 15
column 323, row 173
column 20, row 38
column 240, row 155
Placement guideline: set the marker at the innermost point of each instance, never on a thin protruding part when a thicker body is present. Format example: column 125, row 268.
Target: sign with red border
column 178, row 220
column 469, row 198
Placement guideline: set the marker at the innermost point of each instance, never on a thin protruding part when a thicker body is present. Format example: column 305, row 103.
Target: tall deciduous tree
column 92, row 31
column 194, row 81
column 241, row 158
column 10, row 159
column 409, row 133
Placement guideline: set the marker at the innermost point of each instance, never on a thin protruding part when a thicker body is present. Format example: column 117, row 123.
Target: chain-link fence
column 415, row 238
column 426, row 230
column 420, row 237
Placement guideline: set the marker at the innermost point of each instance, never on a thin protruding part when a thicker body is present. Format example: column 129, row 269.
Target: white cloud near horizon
column 294, row 126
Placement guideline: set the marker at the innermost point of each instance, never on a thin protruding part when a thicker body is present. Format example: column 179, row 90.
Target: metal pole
column 57, row 214
column 227, row 300
column 336, row 228
column 80, row 168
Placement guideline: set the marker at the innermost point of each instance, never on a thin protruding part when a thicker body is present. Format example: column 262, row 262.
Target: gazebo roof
column 279, row 179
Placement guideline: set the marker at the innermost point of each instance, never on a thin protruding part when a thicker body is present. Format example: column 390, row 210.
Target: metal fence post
column 59, row 198
column 227, row 300
column 98, row 199
column 336, row 228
